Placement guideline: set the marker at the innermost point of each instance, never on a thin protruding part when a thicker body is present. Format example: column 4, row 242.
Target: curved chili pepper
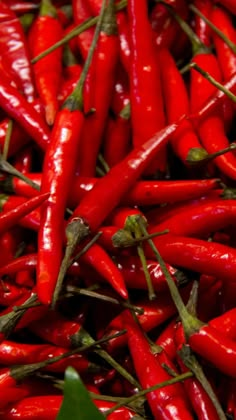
column 14, row 51
column 12, row 217
column 200, row 220
column 197, row 255
column 103, row 80
column 17, row 107
column 10, row 292
column 145, row 86
column 21, row 7
column 163, row 402
column 185, row 140
column 13, row 353
column 48, row 70
column 166, row 340
column 58, row 330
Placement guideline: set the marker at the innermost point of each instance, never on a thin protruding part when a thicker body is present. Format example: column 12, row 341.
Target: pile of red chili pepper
column 118, row 207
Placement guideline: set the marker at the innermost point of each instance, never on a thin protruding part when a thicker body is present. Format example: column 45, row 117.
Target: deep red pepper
column 200, row 220
column 71, row 76
column 103, row 80
column 21, row 7
column 10, row 292
column 124, row 37
column 201, row 29
column 58, row 330
column 228, row 4
column 117, row 138
column 23, row 160
column 13, row 353
column 14, row 51
column 197, row 255
column 163, row 402
column 166, row 339
column 17, row 107
column 48, row 70
column 11, row 217
column 82, row 12
column 173, row 85
column 198, row 397
column 145, row 84
column 225, row 55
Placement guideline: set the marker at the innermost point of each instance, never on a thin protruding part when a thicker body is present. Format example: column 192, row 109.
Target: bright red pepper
column 82, row 12
column 163, row 402
column 14, row 51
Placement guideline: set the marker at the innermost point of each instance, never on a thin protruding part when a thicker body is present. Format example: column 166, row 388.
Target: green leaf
column 77, row 403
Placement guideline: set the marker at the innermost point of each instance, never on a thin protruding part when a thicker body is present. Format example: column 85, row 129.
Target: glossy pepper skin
column 48, row 70
column 163, row 402
column 14, row 51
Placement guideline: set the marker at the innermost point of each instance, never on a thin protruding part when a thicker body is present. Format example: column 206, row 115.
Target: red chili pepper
column 185, row 140
column 197, row 255
column 17, row 107
column 117, row 138
column 145, row 84
column 21, row 7
column 163, row 402
column 13, row 353
column 9, row 243
column 11, row 217
column 103, row 80
column 58, row 330
column 82, row 12
column 134, row 277
column 197, row 395
column 201, row 29
column 23, row 160
column 72, row 74
column 14, row 51
column 10, row 292
column 228, row 4
column 200, row 220
column 124, row 37
column 48, row 70
column 166, row 340
column 98, row 258
column 164, row 26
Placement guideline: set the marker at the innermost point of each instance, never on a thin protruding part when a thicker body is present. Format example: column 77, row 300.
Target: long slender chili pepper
column 201, row 28
column 13, row 353
column 185, row 140
column 103, row 80
column 89, row 214
column 200, row 220
column 12, row 217
column 145, row 86
column 47, row 71
column 59, row 167
column 198, row 255
column 162, row 402
column 14, row 51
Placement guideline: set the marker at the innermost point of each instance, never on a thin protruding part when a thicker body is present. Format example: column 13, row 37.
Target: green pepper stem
column 47, row 9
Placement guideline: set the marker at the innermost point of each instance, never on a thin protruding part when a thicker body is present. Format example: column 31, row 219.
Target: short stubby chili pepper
column 163, row 402
column 48, row 70
column 14, row 51
column 11, row 217
column 145, row 85
column 102, row 84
